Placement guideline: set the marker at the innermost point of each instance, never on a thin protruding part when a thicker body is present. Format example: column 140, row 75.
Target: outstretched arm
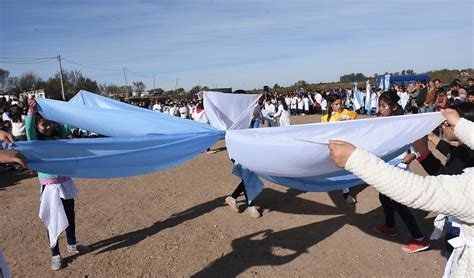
column 443, row 194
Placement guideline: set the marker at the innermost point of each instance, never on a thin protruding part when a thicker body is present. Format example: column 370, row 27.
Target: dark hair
column 455, row 83
column 455, row 93
column 16, row 117
column 283, row 102
column 392, row 98
column 437, row 79
column 331, row 99
column 56, row 134
column 465, row 110
column 470, row 92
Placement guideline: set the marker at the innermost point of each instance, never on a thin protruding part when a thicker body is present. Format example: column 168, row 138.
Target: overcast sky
column 235, row 43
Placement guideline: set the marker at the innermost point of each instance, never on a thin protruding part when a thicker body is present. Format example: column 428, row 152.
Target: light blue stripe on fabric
column 118, row 123
column 115, row 157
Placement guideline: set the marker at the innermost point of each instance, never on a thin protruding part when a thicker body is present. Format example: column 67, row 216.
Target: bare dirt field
column 175, row 224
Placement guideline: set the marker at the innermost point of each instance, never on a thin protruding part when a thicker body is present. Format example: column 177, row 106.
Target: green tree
column 29, row 81
column 3, row 79
column 139, row 86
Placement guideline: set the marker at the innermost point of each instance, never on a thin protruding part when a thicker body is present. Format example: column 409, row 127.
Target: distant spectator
column 456, row 85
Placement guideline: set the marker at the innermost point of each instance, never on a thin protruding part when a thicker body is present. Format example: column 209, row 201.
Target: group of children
column 458, row 157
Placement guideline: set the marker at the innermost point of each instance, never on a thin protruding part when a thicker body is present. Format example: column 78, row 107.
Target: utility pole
column 125, row 76
column 61, row 77
column 176, row 86
column 154, row 88
column 126, row 82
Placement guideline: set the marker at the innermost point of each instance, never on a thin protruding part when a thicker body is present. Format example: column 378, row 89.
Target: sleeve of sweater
column 464, row 130
column 30, row 126
column 452, row 195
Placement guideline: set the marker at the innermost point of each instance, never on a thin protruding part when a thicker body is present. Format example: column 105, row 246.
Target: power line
column 26, row 58
column 91, row 67
column 22, row 61
column 146, row 76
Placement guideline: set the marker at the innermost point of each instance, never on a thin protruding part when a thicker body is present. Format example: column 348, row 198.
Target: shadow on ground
column 13, row 177
column 278, row 248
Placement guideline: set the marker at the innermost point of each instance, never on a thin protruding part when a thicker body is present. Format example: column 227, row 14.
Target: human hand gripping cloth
column 297, row 156
column 229, row 111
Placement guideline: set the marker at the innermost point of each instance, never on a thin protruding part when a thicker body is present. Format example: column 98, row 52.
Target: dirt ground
column 175, row 224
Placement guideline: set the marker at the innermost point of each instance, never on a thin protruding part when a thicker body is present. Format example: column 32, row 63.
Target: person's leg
column 55, row 249
column 245, row 194
column 409, row 220
column 71, row 218
column 231, row 200
column 418, row 242
column 238, row 190
column 388, row 210
column 346, row 195
column 253, row 211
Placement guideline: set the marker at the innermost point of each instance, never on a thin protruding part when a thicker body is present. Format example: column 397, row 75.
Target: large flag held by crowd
column 142, row 141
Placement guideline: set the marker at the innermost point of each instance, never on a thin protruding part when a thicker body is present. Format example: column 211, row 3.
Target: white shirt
column 306, row 103
column 5, row 117
column 156, row 107
column 284, row 116
column 318, row 98
column 183, row 112
column 200, row 117
column 271, row 108
column 300, row 104
column 18, row 129
column 324, row 104
column 294, row 102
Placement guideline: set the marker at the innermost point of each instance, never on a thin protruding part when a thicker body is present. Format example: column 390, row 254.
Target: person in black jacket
column 458, row 158
column 423, row 92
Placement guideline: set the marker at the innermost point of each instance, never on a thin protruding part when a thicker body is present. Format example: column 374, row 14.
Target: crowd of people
column 399, row 189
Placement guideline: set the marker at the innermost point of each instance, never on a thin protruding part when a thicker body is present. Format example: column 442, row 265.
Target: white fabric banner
column 229, row 111
column 302, row 151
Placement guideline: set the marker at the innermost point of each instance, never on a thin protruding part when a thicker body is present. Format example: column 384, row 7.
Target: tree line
column 75, row 81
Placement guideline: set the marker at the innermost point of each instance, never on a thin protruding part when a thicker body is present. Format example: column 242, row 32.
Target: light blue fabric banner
column 114, row 157
column 323, row 183
column 118, row 123
column 95, row 100
column 142, row 141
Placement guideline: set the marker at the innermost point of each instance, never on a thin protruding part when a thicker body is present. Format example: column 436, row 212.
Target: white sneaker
column 253, row 211
column 76, row 249
column 349, row 198
column 232, row 203
column 56, row 262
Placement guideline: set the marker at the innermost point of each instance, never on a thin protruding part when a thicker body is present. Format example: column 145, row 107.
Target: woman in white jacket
column 283, row 114
column 451, row 195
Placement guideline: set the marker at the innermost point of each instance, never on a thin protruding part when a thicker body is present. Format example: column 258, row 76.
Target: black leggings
column 71, row 229
column 390, row 206
column 241, row 188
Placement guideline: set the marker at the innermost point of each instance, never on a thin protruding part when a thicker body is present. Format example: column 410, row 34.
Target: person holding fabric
column 282, row 114
column 388, row 104
column 57, row 192
column 231, row 200
column 10, row 156
column 336, row 113
column 257, row 116
column 458, row 158
column 445, row 194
